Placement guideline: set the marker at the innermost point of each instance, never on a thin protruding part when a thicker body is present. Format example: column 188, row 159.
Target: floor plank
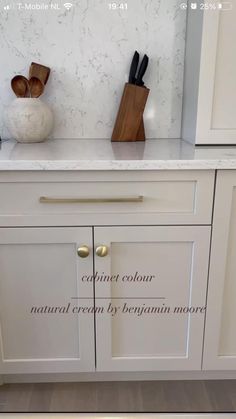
column 41, row 396
column 17, row 397
column 219, row 398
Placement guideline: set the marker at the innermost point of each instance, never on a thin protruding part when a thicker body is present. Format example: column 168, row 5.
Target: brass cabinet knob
column 83, row 251
column 102, row 251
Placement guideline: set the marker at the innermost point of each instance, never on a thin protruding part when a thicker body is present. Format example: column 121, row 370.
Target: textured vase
column 29, row 120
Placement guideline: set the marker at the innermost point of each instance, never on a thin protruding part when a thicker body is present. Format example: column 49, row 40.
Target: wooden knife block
column 129, row 125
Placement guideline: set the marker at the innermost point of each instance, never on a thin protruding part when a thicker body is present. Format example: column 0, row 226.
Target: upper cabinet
column 209, row 110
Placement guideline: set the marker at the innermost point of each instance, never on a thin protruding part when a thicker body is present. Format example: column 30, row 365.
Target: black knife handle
column 133, row 68
column 142, row 70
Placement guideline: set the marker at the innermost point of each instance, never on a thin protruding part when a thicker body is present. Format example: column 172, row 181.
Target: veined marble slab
column 100, row 154
column 89, row 49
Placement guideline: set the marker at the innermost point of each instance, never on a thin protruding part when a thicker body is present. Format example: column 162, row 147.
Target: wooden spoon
column 20, row 86
column 40, row 71
column 36, row 87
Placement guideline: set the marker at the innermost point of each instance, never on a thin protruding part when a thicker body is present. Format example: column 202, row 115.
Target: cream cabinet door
column 40, row 283
column 220, row 333
column 153, row 276
column 209, row 111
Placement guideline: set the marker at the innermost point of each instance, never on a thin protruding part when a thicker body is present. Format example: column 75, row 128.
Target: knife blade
column 133, row 68
column 142, row 71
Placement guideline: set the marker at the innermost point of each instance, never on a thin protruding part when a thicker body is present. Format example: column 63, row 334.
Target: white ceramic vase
column 29, row 120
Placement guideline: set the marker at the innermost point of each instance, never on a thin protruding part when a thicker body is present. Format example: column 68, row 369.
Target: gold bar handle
column 50, row 200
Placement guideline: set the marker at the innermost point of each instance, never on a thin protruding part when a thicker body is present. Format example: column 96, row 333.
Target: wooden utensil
column 20, row 86
column 36, row 87
column 40, row 71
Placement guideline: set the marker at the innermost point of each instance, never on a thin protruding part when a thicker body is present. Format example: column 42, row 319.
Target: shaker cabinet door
column 217, row 88
column 220, row 335
column 150, row 293
column 40, row 282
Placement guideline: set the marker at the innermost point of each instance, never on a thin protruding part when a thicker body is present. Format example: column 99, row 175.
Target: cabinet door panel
column 220, row 337
column 39, row 274
column 217, row 99
column 158, row 338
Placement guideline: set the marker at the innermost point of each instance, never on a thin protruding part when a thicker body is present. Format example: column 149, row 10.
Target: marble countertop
column 99, row 154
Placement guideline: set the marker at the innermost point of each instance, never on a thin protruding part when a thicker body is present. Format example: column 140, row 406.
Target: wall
column 89, row 49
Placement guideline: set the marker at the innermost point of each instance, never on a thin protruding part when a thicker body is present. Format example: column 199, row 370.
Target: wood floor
column 149, row 396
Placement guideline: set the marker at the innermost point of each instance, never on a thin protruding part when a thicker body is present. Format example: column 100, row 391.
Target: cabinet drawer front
column 168, row 197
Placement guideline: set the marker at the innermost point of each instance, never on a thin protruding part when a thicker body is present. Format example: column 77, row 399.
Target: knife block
column 129, row 125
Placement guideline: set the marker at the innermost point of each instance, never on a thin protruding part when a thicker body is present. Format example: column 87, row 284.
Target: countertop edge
column 114, row 165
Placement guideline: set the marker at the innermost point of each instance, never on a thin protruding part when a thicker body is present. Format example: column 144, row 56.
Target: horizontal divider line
column 118, row 298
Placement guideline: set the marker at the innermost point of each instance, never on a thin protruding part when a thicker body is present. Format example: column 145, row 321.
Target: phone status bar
column 222, row 6
column 38, row 6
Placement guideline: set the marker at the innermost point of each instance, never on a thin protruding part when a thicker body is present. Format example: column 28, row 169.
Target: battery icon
column 225, row 5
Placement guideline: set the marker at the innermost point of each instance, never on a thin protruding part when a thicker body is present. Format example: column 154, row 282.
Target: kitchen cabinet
column 40, row 268
column 220, row 337
column 209, row 87
column 153, row 224
column 176, row 260
column 176, row 226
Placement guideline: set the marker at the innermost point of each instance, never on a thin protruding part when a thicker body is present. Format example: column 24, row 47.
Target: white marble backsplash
column 89, row 49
